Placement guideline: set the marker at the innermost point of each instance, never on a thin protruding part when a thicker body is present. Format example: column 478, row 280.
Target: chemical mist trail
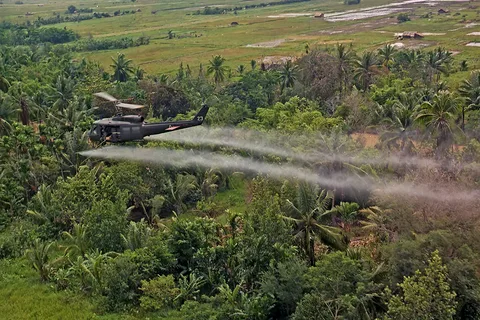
column 261, row 143
column 182, row 158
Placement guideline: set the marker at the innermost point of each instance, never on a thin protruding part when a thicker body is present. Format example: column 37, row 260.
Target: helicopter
column 123, row 128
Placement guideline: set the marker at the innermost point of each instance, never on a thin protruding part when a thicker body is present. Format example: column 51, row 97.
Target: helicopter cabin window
column 125, row 131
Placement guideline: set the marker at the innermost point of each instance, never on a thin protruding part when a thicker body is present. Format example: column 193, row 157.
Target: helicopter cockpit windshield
column 94, row 131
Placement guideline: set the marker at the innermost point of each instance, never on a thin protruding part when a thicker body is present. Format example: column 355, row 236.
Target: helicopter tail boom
column 200, row 116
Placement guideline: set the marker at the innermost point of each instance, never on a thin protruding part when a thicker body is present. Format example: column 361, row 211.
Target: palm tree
column 217, row 68
column 139, row 73
column 436, row 62
column 470, row 90
column 137, row 236
column 253, row 64
column 464, row 65
column 365, row 68
column 399, row 130
column 400, row 125
column 387, row 54
column 163, row 78
column 121, row 68
column 345, row 57
column 189, row 287
column 376, row 222
column 78, row 243
column 38, row 256
column 288, row 75
column 93, row 265
column 241, row 69
column 7, row 109
column 439, row 116
column 179, row 190
column 4, row 84
column 210, row 183
column 309, row 213
column 64, row 87
column 411, row 60
column 348, row 212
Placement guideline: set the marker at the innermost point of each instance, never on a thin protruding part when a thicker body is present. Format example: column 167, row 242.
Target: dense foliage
column 161, row 240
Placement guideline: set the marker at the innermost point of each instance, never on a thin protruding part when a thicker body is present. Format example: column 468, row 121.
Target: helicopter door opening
column 112, row 134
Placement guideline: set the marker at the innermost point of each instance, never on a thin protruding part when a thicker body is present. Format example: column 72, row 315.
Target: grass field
column 215, row 35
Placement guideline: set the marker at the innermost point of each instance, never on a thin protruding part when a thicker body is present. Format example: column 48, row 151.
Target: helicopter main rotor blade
column 129, row 106
column 105, row 96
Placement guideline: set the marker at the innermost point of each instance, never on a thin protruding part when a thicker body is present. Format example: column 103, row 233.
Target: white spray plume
column 182, row 158
column 280, row 145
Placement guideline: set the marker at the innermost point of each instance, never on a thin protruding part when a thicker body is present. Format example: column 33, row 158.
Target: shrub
column 122, row 282
column 403, row 17
column 106, row 222
column 159, row 293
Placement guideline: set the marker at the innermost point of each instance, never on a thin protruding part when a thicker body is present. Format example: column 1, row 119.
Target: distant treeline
column 106, row 44
column 16, row 35
column 77, row 18
column 218, row 10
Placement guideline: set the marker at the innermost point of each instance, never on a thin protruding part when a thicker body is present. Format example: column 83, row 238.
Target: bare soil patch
column 368, row 140
column 382, row 10
column 270, row 60
column 473, row 44
column 365, row 14
column 292, row 15
column 267, row 44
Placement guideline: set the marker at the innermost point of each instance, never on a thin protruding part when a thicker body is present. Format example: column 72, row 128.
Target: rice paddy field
column 270, row 32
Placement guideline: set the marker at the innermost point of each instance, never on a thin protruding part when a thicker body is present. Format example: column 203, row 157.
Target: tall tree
column 387, row 54
column 470, row 90
column 345, row 56
column 288, row 75
column 179, row 190
column 400, row 126
column 439, row 116
column 63, row 92
column 436, row 62
column 309, row 213
column 122, row 68
column 365, row 68
column 217, row 68
column 425, row 295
